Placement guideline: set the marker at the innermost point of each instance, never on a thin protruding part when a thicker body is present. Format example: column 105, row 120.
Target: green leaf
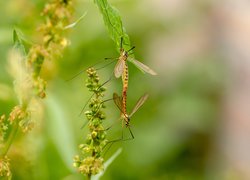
column 113, row 23
column 18, row 45
column 107, row 163
column 60, row 130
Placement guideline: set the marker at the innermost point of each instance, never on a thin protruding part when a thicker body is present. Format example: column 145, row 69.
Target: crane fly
column 124, row 57
column 124, row 115
column 121, row 69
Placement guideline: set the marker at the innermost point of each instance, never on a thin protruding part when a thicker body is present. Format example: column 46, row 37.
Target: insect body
column 121, row 69
column 124, row 57
column 124, row 88
column 124, row 115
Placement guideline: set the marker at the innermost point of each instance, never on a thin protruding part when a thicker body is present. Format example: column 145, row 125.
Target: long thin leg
column 106, row 81
column 104, row 154
column 105, row 65
column 99, row 62
column 131, row 133
column 84, row 124
column 93, row 94
column 86, row 105
column 112, row 125
column 128, row 139
column 122, row 139
column 95, row 113
column 117, row 140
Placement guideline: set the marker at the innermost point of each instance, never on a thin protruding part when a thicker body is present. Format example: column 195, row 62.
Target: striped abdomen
column 124, row 92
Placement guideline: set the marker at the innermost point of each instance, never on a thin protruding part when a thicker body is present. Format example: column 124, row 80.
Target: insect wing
column 119, row 68
column 118, row 101
column 139, row 103
column 142, row 67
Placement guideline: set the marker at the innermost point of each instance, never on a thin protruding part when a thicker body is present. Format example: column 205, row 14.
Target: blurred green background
column 174, row 130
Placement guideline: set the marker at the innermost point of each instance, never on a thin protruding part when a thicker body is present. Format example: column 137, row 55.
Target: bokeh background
column 196, row 122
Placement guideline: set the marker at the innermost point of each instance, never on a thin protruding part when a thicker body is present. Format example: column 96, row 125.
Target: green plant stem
column 9, row 141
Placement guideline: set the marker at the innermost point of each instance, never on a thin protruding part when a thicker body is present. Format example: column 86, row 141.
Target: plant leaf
column 76, row 22
column 113, row 23
column 18, row 45
column 60, row 131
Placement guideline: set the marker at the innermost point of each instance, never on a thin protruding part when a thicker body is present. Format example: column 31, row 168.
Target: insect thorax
column 123, row 54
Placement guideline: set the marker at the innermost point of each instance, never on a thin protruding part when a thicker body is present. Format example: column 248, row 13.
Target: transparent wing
column 139, row 103
column 142, row 66
column 118, row 101
column 119, row 68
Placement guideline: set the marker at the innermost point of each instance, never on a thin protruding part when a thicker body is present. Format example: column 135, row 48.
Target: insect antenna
column 131, row 49
column 121, row 42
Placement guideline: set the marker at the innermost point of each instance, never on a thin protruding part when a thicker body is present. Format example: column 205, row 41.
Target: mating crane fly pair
column 121, row 69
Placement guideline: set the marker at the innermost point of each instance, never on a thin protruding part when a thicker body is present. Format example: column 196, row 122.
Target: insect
column 121, row 69
column 124, row 115
column 121, row 64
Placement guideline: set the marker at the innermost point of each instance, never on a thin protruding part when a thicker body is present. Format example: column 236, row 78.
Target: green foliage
column 173, row 131
column 28, row 84
column 113, row 23
column 72, row 25
column 18, row 45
